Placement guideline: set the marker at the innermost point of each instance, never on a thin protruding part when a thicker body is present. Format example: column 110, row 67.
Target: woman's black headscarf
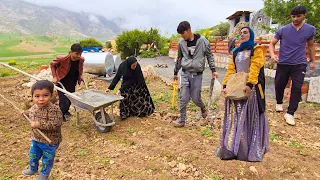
column 129, row 76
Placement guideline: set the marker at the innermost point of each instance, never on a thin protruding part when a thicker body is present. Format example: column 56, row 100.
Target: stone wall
column 173, row 54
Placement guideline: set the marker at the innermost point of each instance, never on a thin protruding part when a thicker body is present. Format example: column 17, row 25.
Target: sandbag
column 216, row 91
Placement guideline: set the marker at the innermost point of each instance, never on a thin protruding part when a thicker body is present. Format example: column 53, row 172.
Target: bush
column 164, row 52
column 175, row 37
column 90, row 42
column 147, row 54
column 129, row 42
column 4, row 74
column 12, row 62
column 122, row 56
column 109, row 46
column 217, row 30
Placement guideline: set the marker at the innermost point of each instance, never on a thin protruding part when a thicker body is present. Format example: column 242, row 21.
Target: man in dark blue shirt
column 292, row 60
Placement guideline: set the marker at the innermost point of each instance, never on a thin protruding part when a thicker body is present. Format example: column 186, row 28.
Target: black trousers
column 69, row 82
column 297, row 74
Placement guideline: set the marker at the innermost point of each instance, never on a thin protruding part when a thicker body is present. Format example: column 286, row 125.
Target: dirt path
column 150, row 148
column 167, row 73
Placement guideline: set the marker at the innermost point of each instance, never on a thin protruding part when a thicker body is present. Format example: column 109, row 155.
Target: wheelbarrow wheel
column 103, row 129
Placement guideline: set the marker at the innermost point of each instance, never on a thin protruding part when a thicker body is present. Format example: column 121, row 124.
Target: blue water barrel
column 95, row 49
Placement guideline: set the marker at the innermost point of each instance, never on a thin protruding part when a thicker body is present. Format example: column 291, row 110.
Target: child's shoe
column 28, row 172
column 42, row 177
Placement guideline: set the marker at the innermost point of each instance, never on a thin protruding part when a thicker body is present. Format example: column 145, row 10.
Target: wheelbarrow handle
column 84, row 82
column 62, row 86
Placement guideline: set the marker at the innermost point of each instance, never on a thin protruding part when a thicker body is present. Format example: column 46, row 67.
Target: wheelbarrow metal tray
column 92, row 100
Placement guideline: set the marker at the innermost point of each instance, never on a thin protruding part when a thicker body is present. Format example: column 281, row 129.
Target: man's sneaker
column 279, row 108
column 179, row 123
column 28, row 172
column 204, row 112
column 42, row 177
column 289, row 119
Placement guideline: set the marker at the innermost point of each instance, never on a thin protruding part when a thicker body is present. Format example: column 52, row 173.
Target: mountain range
column 26, row 18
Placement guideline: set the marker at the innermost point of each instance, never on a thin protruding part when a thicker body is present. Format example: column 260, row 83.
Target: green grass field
column 27, row 65
column 13, row 45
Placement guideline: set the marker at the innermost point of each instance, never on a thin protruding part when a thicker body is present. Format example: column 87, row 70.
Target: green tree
column 129, row 42
column 90, row 42
column 206, row 33
column 279, row 11
column 217, row 30
column 221, row 29
column 175, row 37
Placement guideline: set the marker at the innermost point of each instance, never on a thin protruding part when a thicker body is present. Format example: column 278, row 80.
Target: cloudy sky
column 162, row 14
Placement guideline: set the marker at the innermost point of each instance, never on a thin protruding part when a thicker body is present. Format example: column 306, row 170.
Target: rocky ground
column 151, row 148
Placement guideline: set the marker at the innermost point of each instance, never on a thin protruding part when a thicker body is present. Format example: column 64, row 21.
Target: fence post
column 215, row 45
column 260, row 41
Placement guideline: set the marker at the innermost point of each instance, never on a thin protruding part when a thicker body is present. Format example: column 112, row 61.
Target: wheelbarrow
column 91, row 100
column 95, row 102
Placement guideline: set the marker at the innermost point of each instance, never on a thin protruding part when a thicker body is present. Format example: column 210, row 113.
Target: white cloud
column 163, row 14
column 94, row 19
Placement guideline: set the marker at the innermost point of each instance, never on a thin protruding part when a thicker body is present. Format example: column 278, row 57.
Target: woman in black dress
column 137, row 100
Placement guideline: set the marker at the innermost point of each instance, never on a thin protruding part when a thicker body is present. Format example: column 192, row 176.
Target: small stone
column 317, row 144
column 111, row 162
column 253, row 169
column 297, row 116
column 283, row 132
column 196, row 174
column 182, row 167
column 172, row 164
column 114, row 155
column 188, row 170
column 33, row 63
column 175, row 170
column 182, row 174
column 297, row 175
